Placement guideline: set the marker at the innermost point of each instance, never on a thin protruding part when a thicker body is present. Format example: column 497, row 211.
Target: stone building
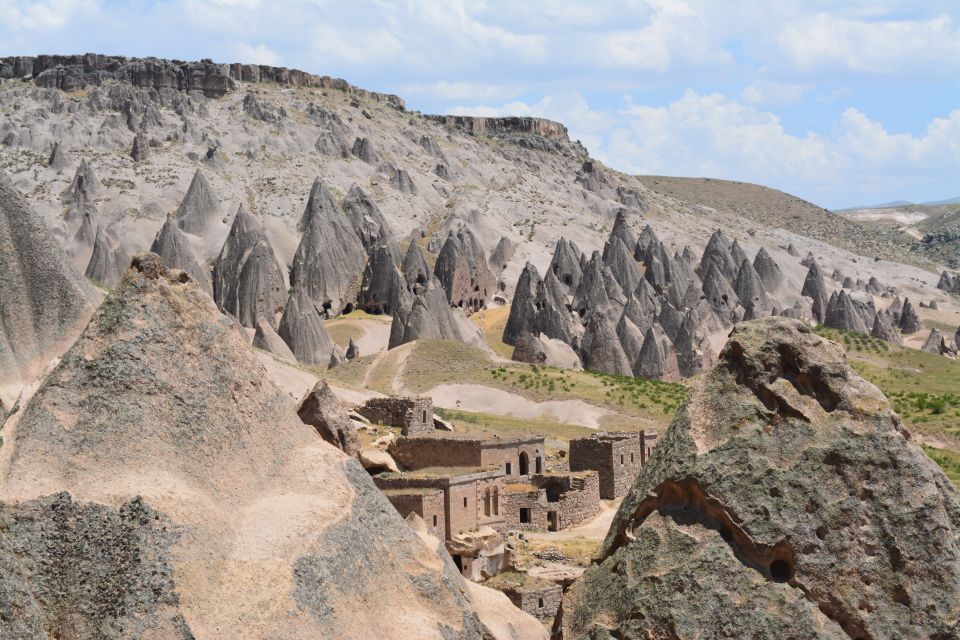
column 471, row 495
column 616, row 456
column 539, row 598
column 414, row 415
column 551, row 502
column 518, row 456
column 426, row 502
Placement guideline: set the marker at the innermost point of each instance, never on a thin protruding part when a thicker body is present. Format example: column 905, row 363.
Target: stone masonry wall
column 413, row 415
column 428, row 505
column 616, row 457
column 420, row 453
column 514, row 499
column 541, row 602
column 578, row 503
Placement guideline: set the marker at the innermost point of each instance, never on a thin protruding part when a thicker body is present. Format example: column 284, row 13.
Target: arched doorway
column 524, row 463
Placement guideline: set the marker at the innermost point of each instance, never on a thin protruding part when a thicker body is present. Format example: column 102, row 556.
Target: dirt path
column 478, row 398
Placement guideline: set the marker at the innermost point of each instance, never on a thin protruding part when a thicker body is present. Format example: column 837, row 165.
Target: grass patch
column 949, row 461
column 578, row 550
column 492, row 322
column 466, row 421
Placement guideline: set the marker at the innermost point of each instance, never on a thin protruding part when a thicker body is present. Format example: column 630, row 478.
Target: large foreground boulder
column 44, row 301
column 158, row 485
column 786, row 501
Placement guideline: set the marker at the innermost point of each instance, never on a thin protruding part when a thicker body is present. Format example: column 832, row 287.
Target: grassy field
column 924, row 389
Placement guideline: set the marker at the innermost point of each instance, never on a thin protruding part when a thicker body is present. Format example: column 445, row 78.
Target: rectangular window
column 621, row 459
column 539, row 464
column 509, row 469
column 464, row 503
column 524, row 515
column 540, row 603
column 631, row 458
column 434, row 520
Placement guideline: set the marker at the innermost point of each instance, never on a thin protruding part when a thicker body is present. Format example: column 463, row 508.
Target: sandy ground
column 480, row 399
column 296, row 382
column 374, row 334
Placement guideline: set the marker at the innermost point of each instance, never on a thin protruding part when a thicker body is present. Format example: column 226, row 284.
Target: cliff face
column 73, row 72
column 786, row 482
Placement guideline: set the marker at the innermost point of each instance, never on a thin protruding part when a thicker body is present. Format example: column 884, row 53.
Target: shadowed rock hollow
column 159, row 485
column 786, row 501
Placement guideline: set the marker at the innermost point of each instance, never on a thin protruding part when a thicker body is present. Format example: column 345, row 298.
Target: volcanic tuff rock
column 248, row 280
column 302, row 328
column 321, row 410
column 172, row 245
column 199, row 205
column 909, row 320
column 329, row 260
column 44, row 301
column 367, row 220
column 936, row 343
column 463, row 271
column 815, row 288
column 267, row 338
column 383, row 285
column 59, row 157
column 884, row 330
column 842, row 313
column 786, row 481
column 108, row 262
column 180, row 458
column 768, row 270
column 601, row 350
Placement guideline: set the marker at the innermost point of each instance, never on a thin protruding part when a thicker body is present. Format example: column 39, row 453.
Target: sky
column 842, row 103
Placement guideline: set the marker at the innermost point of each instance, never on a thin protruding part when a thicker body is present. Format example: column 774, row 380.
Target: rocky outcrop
column 842, row 313
column 364, row 150
column 247, row 277
column 781, row 482
column 601, row 350
column 501, row 255
column 425, row 314
column 949, row 282
column 84, row 185
column 180, row 458
column 750, row 290
column 479, row 125
column 321, row 410
column 302, row 328
column 523, row 310
column 909, row 321
column 365, row 217
column 383, row 285
column 214, row 80
column 883, row 329
column 353, row 350
column 768, row 270
column 463, row 271
column 330, row 258
column 108, row 262
column 44, row 300
column 267, row 338
column 937, row 344
column 815, row 289
column 718, row 253
column 60, row 159
column 720, row 295
column 199, row 205
column 141, row 148
column 172, row 245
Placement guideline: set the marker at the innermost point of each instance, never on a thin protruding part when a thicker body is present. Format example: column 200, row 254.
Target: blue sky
column 842, row 103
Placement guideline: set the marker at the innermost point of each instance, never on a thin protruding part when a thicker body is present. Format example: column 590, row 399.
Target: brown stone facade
column 413, row 415
column 518, row 456
column 616, row 456
column 426, row 503
column 471, row 497
column 540, row 599
column 552, row 502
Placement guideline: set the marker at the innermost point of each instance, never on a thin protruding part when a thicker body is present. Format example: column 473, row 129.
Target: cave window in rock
column 781, row 570
column 567, row 279
column 524, row 463
column 348, row 308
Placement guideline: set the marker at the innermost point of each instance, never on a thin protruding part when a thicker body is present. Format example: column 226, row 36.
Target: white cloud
column 257, row 54
column 872, row 46
column 769, row 93
column 45, row 14
column 446, row 90
column 363, row 47
column 718, row 136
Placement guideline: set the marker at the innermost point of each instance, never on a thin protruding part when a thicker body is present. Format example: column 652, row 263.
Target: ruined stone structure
column 471, row 495
column 539, row 598
column 616, row 456
column 518, row 456
column 551, row 502
column 414, row 415
column 428, row 503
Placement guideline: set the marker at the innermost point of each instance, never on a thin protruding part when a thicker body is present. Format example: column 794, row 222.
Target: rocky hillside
column 159, row 485
column 786, row 481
